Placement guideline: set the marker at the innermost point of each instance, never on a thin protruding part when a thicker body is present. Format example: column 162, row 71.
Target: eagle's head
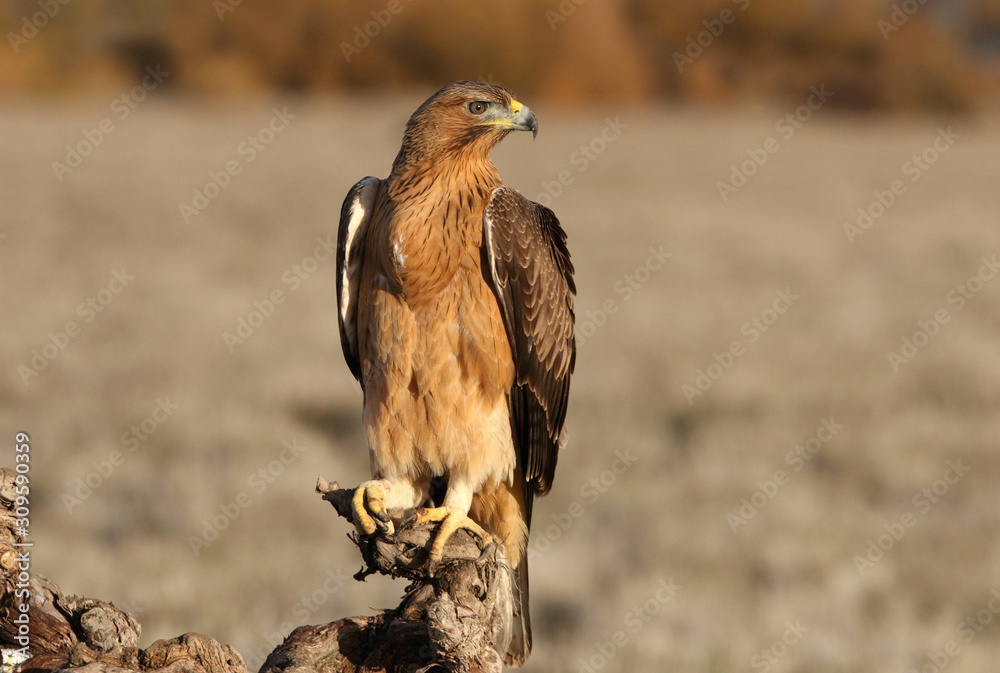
column 464, row 118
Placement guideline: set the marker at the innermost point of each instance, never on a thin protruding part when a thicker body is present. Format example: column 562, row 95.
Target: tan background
column 608, row 544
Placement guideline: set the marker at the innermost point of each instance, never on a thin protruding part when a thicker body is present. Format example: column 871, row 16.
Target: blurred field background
column 871, row 219
column 923, row 54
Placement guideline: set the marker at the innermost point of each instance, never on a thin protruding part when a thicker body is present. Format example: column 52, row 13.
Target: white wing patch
column 352, row 240
column 358, row 214
column 398, row 255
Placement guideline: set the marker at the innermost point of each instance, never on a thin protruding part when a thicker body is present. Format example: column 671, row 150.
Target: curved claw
column 408, row 521
column 370, row 513
column 451, row 520
column 488, row 550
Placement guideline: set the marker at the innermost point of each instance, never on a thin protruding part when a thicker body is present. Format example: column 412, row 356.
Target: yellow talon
column 451, row 520
column 370, row 513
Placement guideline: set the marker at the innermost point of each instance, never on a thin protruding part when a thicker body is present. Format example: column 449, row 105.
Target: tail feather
column 519, row 646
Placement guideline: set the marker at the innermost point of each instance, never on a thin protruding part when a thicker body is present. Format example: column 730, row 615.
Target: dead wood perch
column 453, row 622
column 88, row 635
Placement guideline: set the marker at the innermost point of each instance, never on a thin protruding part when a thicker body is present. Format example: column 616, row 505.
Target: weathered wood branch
column 69, row 632
column 455, row 622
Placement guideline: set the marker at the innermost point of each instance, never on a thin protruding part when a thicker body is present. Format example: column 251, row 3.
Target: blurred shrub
column 703, row 50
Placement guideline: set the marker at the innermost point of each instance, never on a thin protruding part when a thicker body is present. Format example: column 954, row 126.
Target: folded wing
column 355, row 216
column 526, row 260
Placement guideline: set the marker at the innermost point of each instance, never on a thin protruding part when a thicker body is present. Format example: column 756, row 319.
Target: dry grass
column 663, row 518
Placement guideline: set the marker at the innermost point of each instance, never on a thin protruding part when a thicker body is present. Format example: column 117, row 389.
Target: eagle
column 455, row 298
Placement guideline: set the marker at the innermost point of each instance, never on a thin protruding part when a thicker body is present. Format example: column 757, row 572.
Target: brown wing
column 355, row 215
column 525, row 257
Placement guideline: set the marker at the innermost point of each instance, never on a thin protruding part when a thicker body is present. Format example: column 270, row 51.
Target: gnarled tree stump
column 455, row 621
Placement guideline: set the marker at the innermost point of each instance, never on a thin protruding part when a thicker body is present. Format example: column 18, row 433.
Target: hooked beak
column 523, row 119
column 520, row 118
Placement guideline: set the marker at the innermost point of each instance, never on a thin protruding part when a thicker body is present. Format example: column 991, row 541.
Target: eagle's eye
column 478, row 107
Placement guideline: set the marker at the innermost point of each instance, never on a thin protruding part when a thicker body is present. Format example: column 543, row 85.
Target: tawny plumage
column 456, row 315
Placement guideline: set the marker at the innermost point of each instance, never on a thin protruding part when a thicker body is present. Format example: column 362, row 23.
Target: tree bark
column 455, row 621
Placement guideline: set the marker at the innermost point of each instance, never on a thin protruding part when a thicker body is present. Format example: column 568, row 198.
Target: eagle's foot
column 370, row 513
column 451, row 520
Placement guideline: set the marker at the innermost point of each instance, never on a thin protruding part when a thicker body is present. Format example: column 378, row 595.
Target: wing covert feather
column 524, row 249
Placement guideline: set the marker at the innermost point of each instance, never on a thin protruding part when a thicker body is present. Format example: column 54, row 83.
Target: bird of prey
column 455, row 297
